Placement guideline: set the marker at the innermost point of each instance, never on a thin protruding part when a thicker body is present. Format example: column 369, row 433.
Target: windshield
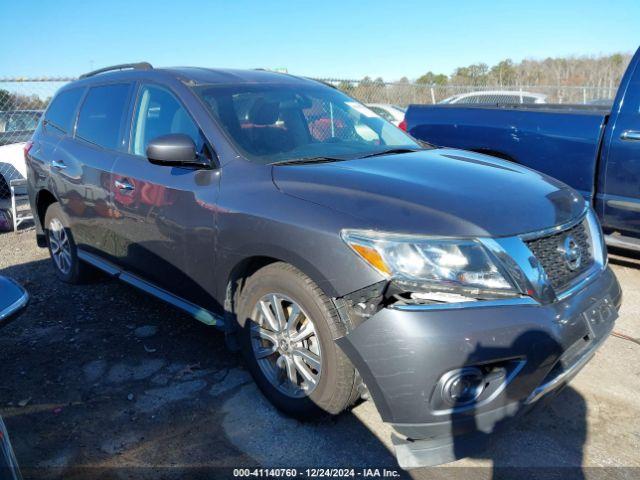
column 282, row 122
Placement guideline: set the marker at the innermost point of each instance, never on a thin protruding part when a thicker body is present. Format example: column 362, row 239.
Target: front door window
column 159, row 113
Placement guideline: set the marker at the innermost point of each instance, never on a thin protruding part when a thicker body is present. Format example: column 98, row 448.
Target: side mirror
column 175, row 149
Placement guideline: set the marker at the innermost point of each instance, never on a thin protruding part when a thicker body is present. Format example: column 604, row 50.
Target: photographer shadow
column 547, row 440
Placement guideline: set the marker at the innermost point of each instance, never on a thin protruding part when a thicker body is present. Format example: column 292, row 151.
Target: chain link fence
column 405, row 93
column 23, row 100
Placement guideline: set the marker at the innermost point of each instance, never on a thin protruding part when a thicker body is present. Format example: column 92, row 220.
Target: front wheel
column 288, row 327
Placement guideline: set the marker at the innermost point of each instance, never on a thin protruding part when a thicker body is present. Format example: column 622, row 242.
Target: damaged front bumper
column 414, row 359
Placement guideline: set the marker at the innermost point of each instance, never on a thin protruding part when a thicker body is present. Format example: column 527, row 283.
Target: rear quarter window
column 18, row 122
column 102, row 115
column 61, row 111
column 382, row 112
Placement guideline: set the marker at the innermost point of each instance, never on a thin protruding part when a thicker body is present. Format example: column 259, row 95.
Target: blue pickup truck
column 593, row 148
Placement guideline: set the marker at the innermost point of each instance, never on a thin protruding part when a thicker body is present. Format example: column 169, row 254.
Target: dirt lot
column 103, row 381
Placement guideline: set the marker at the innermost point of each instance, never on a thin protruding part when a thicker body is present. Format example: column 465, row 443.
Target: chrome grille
column 548, row 251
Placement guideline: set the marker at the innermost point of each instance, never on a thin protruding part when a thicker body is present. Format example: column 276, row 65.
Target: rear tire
column 63, row 249
column 5, row 191
column 6, row 220
column 303, row 345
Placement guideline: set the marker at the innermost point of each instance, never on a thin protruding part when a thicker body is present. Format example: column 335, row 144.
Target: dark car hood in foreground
column 435, row 192
column 13, row 299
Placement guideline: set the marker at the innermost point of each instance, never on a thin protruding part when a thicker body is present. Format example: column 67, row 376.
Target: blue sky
column 315, row 38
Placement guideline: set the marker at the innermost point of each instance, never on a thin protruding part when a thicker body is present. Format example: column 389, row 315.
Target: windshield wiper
column 321, row 159
column 391, row 151
column 298, row 161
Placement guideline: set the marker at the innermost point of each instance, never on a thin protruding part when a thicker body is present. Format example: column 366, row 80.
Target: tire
column 333, row 390
column 5, row 191
column 57, row 232
column 6, row 220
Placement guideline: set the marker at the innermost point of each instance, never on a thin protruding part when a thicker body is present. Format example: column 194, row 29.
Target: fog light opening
column 463, row 386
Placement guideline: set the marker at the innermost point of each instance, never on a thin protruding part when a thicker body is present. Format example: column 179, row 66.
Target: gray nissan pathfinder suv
column 342, row 257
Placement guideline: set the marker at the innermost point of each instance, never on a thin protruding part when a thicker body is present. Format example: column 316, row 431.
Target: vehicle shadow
column 101, row 381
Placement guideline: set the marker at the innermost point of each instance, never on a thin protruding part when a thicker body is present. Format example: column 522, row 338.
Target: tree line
column 603, row 71
column 599, row 74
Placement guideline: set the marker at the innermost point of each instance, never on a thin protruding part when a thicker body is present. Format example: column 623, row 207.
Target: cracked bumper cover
column 402, row 354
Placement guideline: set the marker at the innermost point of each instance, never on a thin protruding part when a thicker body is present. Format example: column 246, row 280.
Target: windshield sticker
column 362, row 109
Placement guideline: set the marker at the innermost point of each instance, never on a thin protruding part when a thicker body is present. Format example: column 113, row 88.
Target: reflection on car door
column 83, row 165
column 165, row 224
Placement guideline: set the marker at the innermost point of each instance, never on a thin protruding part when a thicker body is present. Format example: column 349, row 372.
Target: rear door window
column 62, row 110
column 102, row 115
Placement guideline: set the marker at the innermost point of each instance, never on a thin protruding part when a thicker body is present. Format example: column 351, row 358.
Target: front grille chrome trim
column 557, row 229
column 548, row 252
column 527, row 271
column 553, row 230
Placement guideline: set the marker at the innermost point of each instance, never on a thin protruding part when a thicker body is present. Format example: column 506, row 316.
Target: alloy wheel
column 286, row 345
column 60, row 246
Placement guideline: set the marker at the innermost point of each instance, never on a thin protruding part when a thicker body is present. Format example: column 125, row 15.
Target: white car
column 16, row 128
column 12, row 166
column 497, row 97
column 390, row 113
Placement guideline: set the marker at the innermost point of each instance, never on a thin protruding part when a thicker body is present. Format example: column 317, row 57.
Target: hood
column 435, row 192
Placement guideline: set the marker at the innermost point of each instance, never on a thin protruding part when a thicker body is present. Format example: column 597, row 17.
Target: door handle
column 124, row 186
column 58, row 164
column 631, row 135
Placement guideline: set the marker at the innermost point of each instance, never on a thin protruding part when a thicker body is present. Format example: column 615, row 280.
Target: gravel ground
column 103, row 379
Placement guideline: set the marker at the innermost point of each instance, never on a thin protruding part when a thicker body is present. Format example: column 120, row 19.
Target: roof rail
column 123, row 66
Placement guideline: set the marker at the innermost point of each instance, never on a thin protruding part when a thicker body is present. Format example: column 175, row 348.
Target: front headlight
column 428, row 264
